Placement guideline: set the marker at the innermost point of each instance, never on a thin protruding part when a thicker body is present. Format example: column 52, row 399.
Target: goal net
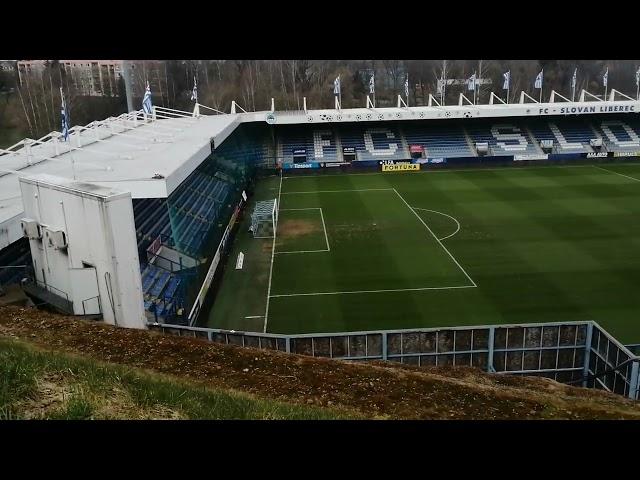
column 264, row 219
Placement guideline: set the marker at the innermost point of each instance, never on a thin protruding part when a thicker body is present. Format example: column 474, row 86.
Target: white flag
column 406, row 86
column 147, row 106
column 605, row 78
column 538, row 83
column 574, row 80
column 471, row 83
column 336, row 86
column 194, row 92
column 372, row 85
column 507, row 80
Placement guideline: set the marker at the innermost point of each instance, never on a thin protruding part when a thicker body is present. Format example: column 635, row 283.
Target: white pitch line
column 254, row 316
column 328, row 249
column 273, row 251
column 325, row 230
column 621, row 174
column 293, row 209
column 372, row 291
column 300, row 251
column 441, row 213
column 434, row 236
column 339, row 191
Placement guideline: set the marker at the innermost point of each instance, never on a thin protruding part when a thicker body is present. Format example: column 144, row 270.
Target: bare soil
column 297, row 228
column 376, row 390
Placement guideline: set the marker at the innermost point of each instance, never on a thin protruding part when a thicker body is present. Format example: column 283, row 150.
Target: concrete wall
column 102, row 256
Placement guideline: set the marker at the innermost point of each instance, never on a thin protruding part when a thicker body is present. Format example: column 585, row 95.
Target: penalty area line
column 339, row 191
column 349, row 292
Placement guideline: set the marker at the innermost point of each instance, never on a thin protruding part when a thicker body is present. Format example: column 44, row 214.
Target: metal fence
column 572, row 352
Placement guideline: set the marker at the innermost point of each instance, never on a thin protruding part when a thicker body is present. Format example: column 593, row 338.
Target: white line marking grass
column 328, row 249
column 339, row 191
column 325, row 230
column 372, row 291
column 442, row 213
column 254, row 316
column 273, row 251
column 434, row 236
column 621, row 174
column 468, row 169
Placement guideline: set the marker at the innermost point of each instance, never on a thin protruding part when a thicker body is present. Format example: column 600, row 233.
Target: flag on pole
column 406, row 86
column 147, row 106
column 64, row 113
column 336, row 86
column 605, row 78
column 538, row 83
column 574, row 80
column 471, row 83
column 372, row 85
column 194, row 92
column 507, row 80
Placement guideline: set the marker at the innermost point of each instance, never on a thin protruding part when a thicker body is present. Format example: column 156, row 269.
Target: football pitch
column 440, row 248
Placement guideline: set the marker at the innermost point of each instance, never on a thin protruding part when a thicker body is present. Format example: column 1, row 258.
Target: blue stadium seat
column 439, row 140
column 497, row 136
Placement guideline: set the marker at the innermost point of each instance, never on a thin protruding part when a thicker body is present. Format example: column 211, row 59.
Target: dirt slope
column 378, row 390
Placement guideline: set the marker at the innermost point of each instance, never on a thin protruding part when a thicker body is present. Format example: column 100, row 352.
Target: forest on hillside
column 32, row 109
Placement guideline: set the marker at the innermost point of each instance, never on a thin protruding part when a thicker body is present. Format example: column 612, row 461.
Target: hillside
column 138, row 374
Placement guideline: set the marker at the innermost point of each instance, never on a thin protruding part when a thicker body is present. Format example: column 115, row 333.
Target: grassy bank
column 37, row 384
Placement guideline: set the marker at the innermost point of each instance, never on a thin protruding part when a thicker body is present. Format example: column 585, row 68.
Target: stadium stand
column 374, row 142
column 505, row 138
column 618, row 135
column 16, row 254
column 385, row 141
column 439, row 140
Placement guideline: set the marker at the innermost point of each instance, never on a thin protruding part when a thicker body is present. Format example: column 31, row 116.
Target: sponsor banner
column 437, row 160
column 365, row 163
column 349, row 150
column 497, row 159
column 534, row 156
column 416, row 149
column 400, row 167
column 300, row 152
column 288, row 166
column 565, row 156
column 597, row 155
column 334, row 164
column 626, row 154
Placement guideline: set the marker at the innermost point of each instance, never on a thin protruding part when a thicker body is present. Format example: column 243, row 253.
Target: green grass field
column 441, row 248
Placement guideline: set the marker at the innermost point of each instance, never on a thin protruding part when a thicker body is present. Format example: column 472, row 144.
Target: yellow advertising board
column 400, row 167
